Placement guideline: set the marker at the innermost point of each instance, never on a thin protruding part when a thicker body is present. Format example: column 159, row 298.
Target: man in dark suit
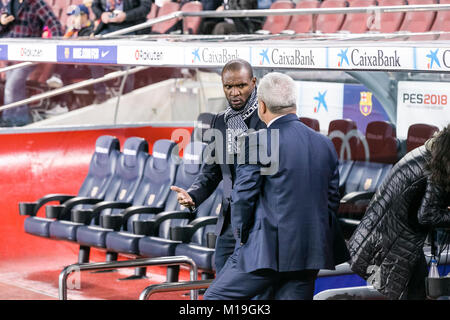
column 284, row 221
column 239, row 86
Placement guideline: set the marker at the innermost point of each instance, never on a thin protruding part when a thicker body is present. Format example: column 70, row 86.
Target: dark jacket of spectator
column 136, row 12
column 30, row 19
column 387, row 246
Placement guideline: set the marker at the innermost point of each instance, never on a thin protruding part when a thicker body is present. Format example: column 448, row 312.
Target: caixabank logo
column 213, row 55
column 433, row 59
column 366, row 58
column 286, row 57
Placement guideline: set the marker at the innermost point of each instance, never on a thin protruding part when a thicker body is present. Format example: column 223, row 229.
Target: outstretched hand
column 183, row 197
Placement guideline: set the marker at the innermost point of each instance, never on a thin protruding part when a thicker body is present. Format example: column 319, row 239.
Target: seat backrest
column 276, row 24
column 419, row 133
column 310, row 122
column 418, row 21
column 366, row 176
column 303, row 23
column 442, row 20
column 210, row 207
column 382, row 141
column 190, row 167
column 153, row 11
column 101, row 168
column 128, row 174
column 167, row 8
column 358, row 22
column 388, row 22
column 330, row 23
column 191, row 25
column 338, row 128
column 202, row 124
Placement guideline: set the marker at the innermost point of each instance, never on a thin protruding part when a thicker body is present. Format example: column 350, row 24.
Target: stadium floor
column 38, row 280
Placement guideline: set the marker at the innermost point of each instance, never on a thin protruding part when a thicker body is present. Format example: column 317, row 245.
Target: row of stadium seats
column 125, row 205
column 413, row 21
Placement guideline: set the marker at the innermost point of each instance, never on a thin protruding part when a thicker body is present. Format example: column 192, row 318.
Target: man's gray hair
column 278, row 91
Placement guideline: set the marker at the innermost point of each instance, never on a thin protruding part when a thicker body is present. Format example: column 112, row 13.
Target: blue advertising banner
column 87, row 54
column 3, row 52
column 361, row 106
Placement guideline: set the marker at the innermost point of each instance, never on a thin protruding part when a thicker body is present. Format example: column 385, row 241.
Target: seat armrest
column 354, row 197
column 128, row 212
column 70, row 204
column 185, row 233
column 32, row 208
column 103, row 205
column 355, row 203
column 262, row 32
column 83, row 216
column 151, row 227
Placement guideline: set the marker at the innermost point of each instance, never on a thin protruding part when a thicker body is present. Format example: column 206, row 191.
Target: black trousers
column 233, row 284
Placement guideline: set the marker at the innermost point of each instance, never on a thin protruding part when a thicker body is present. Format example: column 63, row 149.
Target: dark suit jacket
column 223, row 169
column 289, row 217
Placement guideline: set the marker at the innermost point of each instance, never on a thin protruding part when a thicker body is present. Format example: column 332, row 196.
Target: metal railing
column 147, row 262
column 174, row 286
column 276, row 12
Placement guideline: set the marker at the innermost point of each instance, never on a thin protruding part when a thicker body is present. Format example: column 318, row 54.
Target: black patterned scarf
column 235, row 121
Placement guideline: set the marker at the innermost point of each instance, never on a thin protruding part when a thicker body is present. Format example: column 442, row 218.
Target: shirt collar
column 274, row 119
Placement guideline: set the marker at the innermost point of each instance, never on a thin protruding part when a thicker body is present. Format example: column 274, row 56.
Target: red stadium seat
column 310, row 122
column 153, row 12
column 417, row 135
column 417, row 21
column 442, row 22
column 276, row 24
column 331, row 23
column 382, row 141
column 167, row 8
column 303, row 23
column 358, row 22
column 336, row 127
column 388, row 22
column 191, row 25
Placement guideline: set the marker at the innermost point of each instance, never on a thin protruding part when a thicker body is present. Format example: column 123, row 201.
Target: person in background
column 23, row 19
column 238, row 25
column 115, row 15
column 387, row 246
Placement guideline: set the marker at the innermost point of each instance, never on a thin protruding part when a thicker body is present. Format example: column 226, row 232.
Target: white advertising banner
column 433, row 58
column 148, row 55
column 289, row 57
column 320, row 100
column 422, row 102
column 214, row 55
column 32, row 52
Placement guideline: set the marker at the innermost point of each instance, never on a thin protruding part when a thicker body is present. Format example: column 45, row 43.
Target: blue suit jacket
column 286, row 221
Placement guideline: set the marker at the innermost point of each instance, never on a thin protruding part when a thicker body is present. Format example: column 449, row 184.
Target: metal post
column 174, row 286
column 146, row 262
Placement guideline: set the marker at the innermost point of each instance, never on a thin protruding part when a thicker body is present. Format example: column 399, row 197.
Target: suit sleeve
column 205, row 183
column 434, row 210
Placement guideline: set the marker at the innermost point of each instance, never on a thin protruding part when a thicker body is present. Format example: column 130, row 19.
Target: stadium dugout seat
column 303, row 23
column 418, row 21
column 169, row 25
column 276, row 24
column 119, row 195
column 310, row 122
column 382, row 143
column 357, row 22
column 198, row 237
column 365, row 177
column 153, row 187
column 146, row 231
column 419, row 133
column 330, row 23
column 101, row 171
column 203, row 123
column 191, row 25
column 337, row 131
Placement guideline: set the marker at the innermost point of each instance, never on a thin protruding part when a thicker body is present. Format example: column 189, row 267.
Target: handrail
column 174, row 286
column 146, row 262
column 17, row 66
column 68, row 88
column 276, row 12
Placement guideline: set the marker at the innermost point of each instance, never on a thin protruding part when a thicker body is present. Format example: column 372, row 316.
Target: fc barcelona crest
column 67, row 53
column 365, row 103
